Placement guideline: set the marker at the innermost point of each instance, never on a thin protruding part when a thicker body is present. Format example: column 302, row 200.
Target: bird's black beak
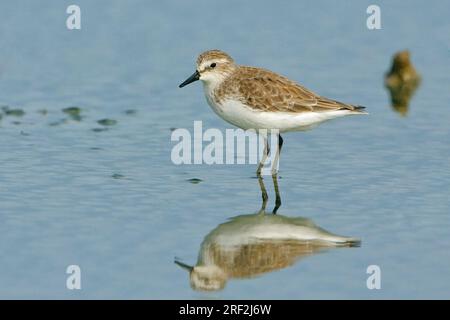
column 191, row 79
column 184, row 266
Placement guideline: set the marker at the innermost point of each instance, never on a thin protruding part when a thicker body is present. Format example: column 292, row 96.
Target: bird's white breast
column 232, row 110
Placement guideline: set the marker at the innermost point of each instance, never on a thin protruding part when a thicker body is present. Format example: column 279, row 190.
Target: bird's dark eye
column 213, row 65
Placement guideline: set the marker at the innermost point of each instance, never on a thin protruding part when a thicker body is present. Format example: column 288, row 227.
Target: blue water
column 112, row 202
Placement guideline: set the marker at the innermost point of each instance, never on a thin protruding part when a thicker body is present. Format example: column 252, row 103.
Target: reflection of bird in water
column 402, row 81
column 250, row 245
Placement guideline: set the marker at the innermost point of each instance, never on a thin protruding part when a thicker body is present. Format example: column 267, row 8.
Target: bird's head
column 213, row 67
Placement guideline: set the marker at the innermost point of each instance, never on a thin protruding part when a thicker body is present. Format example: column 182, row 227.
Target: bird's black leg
column 264, row 195
column 277, row 194
column 280, row 143
column 264, row 157
column 277, row 155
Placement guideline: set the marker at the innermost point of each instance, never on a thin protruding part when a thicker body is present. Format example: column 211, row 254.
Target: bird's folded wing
column 267, row 91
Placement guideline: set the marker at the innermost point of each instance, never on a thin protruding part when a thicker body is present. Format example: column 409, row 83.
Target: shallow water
column 97, row 188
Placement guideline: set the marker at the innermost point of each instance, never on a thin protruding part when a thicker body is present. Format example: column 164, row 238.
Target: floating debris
column 23, row 133
column 118, row 176
column 13, row 112
column 44, row 112
column 402, row 81
column 107, row 122
column 74, row 113
column 95, row 148
column 130, row 112
column 195, row 180
column 57, row 123
column 16, row 123
column 100, row 129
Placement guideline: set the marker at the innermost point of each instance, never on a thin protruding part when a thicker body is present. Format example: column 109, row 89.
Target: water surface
column 96, row 187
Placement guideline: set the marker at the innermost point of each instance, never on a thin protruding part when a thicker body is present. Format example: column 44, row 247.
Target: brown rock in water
column 402, row 81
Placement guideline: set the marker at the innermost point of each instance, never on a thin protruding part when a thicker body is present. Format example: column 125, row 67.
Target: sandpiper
column 255, row 98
